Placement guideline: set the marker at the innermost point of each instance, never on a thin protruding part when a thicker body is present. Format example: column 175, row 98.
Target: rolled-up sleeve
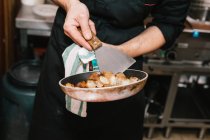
column 169, row 16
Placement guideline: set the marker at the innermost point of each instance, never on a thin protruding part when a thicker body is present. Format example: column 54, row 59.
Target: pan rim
column 119, row 86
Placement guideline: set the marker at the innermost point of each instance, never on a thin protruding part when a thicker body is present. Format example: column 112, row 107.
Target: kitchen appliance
column 186, row 49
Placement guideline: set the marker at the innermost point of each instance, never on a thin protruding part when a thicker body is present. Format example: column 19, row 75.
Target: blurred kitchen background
column 177, row 92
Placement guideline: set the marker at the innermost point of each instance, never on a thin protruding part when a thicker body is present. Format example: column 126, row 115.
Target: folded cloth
column 76, row 60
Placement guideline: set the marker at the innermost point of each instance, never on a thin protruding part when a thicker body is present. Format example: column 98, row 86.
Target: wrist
column 70, row 3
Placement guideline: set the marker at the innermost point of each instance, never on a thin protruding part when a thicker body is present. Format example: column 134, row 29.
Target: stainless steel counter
column 31, row 24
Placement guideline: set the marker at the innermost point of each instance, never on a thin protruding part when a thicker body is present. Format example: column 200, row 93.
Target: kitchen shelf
column 188, row 107
column 184, row 108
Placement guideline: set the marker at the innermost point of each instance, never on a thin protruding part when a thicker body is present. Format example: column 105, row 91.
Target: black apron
column 116, row 21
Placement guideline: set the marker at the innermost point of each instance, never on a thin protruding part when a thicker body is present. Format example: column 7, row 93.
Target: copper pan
column 104, row 94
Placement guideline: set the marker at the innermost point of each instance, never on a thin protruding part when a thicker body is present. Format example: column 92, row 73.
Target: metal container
column 19, row 88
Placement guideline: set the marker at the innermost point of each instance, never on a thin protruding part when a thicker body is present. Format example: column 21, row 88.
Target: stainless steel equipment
column 189, row 56
column 200, row 9
column 186, row 49
column 190, row 48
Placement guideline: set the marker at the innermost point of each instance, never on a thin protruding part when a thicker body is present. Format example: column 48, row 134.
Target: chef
column 118, row 24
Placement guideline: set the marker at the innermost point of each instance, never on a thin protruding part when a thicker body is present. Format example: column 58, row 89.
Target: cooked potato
column 94, row 76
column 82, row 84
column 125, row 82
column 120, row 76
column 104, row 79
column 133, row 79
column 91, row 84
column 110, row 77
column 99, row 84
column 113, row 80
column 69, row 85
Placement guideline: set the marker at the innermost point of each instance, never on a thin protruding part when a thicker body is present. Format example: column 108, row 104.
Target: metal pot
column 106, row 93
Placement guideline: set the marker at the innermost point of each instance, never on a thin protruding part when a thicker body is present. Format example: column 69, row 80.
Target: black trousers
column 117, row 120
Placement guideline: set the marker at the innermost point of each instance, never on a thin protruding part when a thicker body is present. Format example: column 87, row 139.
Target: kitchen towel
column 76, row 60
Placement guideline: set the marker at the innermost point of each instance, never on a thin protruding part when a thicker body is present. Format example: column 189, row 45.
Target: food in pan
column 104, row 79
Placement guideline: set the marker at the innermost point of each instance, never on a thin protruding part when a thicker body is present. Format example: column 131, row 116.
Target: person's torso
column 119, row 20
column 116, row 21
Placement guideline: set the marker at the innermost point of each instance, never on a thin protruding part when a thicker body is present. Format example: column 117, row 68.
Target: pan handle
column 94, row 41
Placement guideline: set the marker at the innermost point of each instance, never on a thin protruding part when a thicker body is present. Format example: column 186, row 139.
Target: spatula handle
column 94, row 41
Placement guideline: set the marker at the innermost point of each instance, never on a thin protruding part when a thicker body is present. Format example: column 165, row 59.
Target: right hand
column 78, row 16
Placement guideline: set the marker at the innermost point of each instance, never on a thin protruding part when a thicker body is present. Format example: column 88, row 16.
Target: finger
column 92, row 26
column 84, row 24
column 77, row 37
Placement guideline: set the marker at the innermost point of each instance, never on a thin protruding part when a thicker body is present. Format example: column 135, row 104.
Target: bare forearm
column 65, row 3
column 148, row 41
